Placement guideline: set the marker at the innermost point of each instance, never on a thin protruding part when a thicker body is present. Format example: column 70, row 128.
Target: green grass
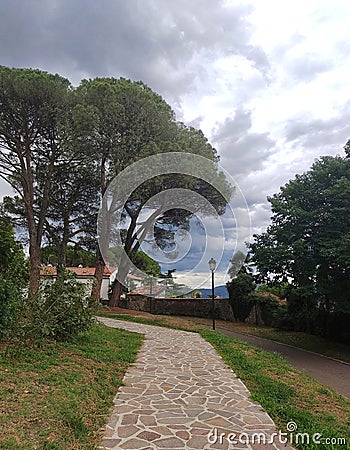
column 286, row 393
column 306, row 341
column 59, row 397
column 155, row 322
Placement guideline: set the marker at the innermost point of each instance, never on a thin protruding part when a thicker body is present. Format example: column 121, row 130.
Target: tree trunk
column 34, row 273
column 116, row 293
column 62, row 249
column 34, row 239
column 118, row 285
column 255, row 317
column 100, row 267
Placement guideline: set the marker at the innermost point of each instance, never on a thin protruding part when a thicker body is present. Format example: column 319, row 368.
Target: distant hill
column 220, row 291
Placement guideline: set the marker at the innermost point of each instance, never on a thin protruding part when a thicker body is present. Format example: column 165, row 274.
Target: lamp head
column 212, row 264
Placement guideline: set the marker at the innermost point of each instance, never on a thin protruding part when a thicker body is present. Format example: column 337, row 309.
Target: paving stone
column 148, row 435
column 197, row 442
column 129, row 419
column 170, row 443
column 148, row 420
column 164, row 431
column 126, row 431
column 109, row 443
column 134, row 443
column 182, row 434
column 199, row 431
column 218, row 422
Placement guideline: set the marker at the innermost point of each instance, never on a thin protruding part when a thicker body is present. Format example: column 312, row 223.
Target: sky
column 266, row 81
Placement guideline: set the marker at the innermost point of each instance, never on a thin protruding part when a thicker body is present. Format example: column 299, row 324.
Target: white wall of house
column 88, row 281
column 104, row 288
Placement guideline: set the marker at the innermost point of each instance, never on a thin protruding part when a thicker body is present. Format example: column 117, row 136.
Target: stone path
column 179, row 394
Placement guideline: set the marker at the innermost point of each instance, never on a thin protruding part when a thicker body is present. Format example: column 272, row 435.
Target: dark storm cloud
column 166, row 44
column 242, row 150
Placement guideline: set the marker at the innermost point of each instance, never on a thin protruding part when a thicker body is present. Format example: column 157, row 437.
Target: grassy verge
column 59, row 397
column 159, row 322
column 286, row 393
column 306, row 341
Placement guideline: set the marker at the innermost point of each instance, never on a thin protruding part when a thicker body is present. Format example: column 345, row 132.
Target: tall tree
column 121, row 121
column 165, row 216
column 308, row 242
column 33, row 107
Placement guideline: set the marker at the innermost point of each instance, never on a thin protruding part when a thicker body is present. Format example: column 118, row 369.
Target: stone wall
column 195, row 307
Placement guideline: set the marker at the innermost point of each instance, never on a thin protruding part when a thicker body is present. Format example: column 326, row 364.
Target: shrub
column 60, row 312
column 11, row 300
column 13, row 279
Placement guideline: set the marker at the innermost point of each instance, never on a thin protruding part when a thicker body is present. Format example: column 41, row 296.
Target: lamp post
column 212, row 266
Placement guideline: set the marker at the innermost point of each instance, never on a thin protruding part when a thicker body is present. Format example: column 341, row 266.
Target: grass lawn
column 287, row 394
column 306, row 341
column 60, row 397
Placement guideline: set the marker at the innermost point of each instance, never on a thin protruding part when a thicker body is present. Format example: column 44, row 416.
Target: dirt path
column 331, row 372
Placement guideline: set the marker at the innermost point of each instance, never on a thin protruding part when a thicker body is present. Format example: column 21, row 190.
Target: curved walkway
column 179, row 394
column 329, row 371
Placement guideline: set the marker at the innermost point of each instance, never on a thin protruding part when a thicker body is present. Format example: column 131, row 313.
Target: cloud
column 166, row 44
column 317, row 133
column 242, row 149
column 5, row 189
column 306, row 67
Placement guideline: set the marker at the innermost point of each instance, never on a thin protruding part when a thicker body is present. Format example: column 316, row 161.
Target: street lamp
column 212, row 266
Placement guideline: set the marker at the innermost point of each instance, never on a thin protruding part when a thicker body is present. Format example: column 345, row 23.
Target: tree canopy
column 33, row 108
column 75, row 256
column 308, row 244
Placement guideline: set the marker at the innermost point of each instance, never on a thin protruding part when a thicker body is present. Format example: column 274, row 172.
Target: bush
column 60, row 312
column 13, row 279
column 11, row 300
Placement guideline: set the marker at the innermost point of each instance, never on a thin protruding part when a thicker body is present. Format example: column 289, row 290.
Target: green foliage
column 308, row 245
column 61, row 147
column 33, row 113
column 147, row 264
column 13, row 278
column 61, row 311
column 75, row 256
column 246, row 300
column 241, row 296
column 278, row 289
